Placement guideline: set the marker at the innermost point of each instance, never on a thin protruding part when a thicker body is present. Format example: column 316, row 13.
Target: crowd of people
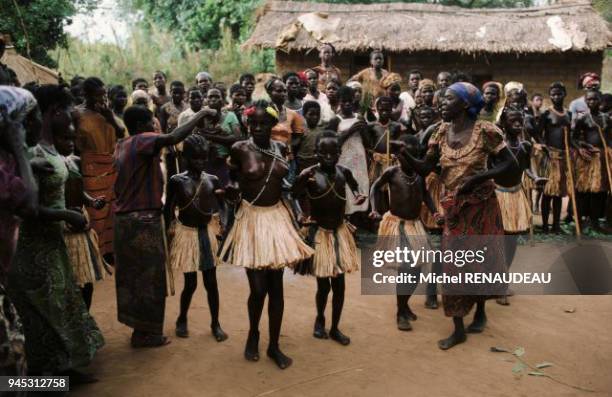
column 148, row 182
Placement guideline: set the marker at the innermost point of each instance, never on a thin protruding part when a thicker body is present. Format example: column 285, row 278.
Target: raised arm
column 182, row 132
column 301, row 182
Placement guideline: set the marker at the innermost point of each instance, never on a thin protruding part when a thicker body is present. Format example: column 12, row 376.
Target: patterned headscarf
column 588, row 79
column 470, row 95
column 513, row 85
column 15, row 103
column 390, row 80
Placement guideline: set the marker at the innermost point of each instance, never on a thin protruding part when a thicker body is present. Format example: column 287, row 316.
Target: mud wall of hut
column 536, row 71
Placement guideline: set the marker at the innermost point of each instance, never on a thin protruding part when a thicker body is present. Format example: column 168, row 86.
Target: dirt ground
column 380, row 360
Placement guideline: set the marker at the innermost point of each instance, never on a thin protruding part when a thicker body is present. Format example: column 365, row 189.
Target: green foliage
column 146, row 51
column 199, row 23
column 605, row 8
column 44, row 22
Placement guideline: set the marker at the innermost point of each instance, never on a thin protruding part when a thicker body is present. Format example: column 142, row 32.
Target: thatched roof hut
column 458, row 38
column 26, row 70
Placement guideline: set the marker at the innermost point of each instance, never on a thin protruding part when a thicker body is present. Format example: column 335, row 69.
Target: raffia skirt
column 394, row 232
column 538, row 164
column 264, row 238
column 335, row 252
column 87, row 262
column 591, row 174
column 514, row 207
column 192, row 248
column 556, row 172
column 434, row 187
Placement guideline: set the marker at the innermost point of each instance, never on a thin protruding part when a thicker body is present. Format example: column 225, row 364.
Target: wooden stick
column 570, row 175
column 605, row 145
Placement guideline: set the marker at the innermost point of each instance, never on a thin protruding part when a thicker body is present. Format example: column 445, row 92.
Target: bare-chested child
column 335, row 252
column 194, row 244
column 401, row 224
column 554, row 127
column 592, row 134
column 513, row 201
column 382, row 132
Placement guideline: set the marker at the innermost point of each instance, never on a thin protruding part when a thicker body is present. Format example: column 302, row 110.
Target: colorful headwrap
column 390, row 80
column 512, row 85
column 426, row 83
column 354, row 85
column 15, row 103
column 589, row 78
column 303, row 78
column 248, row 112
column 470, row 95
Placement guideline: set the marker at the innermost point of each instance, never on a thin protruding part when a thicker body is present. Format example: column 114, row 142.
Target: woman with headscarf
column 462, row 146
column 18, row 199
column 588, row 81
column 391, row 84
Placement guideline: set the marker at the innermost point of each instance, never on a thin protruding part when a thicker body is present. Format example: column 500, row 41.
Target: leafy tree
column 39, row 22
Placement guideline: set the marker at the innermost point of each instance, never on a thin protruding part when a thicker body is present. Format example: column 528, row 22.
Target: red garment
column 140, row 183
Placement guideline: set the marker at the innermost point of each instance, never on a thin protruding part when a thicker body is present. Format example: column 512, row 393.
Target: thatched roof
column 27, row 70
column 414, row 27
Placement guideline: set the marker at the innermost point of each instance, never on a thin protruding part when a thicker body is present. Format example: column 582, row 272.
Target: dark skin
column 177, row 95
column 249, row 87
column 427, row 94
column 212, row 131
column 413, row 82
column 394, row 92
column 313, row 81
column 587, row 132
column 198, row 195
column 159, row 81
column 118, row 102
column 331, row 90
column 360, row 127
column 385, row 123
column 407, row 193
column 326, row 182
column 554, row 124
column 454, row 110
column 377, row 61
column 491, row 97
column 203, row 83
column 444, row 80
column 249, row 171
column 293, row 92
column 97, row 102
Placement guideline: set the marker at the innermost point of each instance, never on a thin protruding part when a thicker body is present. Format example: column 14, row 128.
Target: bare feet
column 218, row 333
column 149, row 340
column 279, row 357
column 339, row 337
column 319, row 328
column 503, row 300
column 431, row 302
column 403, row 323
column 478, row 325
column 411, row 315
column 251, row 350
column 454, row 339
column 181, row 329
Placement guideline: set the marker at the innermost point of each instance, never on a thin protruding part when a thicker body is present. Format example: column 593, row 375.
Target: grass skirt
column 85, row 257
column 538, row 164
column 398, row 232
column 591, row 176
column 193, row 249
column 434, row 187
column 555, row 171
column 335, row 252
column 514, row 207
column 264, row 238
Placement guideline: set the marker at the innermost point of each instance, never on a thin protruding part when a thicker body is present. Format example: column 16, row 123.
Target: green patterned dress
column 59, row 331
